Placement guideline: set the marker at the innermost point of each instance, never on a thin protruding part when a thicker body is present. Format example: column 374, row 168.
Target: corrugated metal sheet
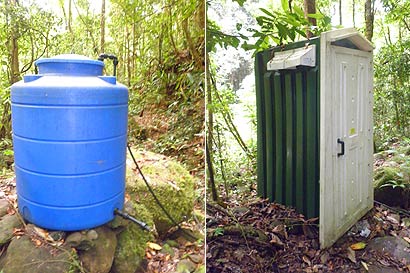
column 288, row 133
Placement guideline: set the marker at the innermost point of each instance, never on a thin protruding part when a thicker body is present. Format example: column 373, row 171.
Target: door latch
column 339, row 141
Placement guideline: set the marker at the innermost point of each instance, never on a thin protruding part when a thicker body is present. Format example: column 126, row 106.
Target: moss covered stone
column 171, row 182
column 132, row 242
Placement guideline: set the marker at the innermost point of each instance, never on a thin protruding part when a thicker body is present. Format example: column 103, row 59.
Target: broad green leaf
column 298, row 11
column 267, row 12
column 285, row 5
column 240, row 2
column 318, row 16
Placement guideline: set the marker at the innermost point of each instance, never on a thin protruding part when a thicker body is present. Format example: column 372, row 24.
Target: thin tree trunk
column 369, row 18
column 340, row 13
column 221, row 161
column 354, row 11
column 209, row 133
column 12, row 44
column 309, row 8
column 102, row 38
column 128, row 57
column 210, row 173
column 70, row 16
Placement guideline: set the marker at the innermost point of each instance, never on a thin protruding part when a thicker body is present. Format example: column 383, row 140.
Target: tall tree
column 102, row 23
column 369, row 10
column 11, row 7
column 354, row 12
column 310, row 8
column 14, row 49
column 70, row 16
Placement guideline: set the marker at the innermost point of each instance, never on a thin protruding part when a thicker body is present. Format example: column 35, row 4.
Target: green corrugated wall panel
column 312, row 143
column 279, row 148
column 260, row 116
column 269, row 118
column 288, row 133
column 299, row 185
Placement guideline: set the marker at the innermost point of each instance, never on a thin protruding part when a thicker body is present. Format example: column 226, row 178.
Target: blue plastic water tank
column 69, row 134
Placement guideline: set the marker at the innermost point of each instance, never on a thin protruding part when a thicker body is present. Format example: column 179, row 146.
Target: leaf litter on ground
column 292, row 242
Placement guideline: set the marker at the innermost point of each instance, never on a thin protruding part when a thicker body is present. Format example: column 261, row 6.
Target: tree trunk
column 70, row 17
column 209, row 132
column 353, row 12
column 102, row 38
column 309, row 8
column 369, row 18
column 340, row 13
column 12, row 44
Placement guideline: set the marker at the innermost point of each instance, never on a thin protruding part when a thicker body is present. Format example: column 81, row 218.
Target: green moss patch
column 132, row 242
column 170, row 181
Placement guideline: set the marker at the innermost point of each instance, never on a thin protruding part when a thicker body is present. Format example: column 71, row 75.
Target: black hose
column 129, row 217
column 402, row 211
column 155, row 197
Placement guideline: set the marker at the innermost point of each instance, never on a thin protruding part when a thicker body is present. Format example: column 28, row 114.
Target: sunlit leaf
column 358, row 246
column 267, row 12
column 285, row 5
column 154, row 246
column 316, row 15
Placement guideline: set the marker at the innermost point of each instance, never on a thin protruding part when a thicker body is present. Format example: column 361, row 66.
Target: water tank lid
column 70, row 64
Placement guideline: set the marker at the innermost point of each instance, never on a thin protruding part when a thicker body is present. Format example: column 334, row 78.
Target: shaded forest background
column 159, row 45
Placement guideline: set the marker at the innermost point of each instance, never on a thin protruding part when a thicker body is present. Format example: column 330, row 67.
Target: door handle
column 339, row 141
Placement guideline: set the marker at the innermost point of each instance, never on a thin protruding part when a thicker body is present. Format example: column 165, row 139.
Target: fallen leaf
column 358, row 246
column 154, row 246
column 351, row 255
column 306, row 260
column 365, row 265
column 41, row 232
column 18, row 231
column 275, row 240
column 280, row 230
column 407, row 239
column 11, row 211
column 37, row 242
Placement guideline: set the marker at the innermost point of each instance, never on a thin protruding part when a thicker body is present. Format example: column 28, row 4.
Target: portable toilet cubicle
column 315, row 128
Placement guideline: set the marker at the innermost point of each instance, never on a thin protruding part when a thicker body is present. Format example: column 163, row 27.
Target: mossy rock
column 170, row 181
column 132, row 242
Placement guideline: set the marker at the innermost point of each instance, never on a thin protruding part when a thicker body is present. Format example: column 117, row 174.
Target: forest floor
column 256, row 236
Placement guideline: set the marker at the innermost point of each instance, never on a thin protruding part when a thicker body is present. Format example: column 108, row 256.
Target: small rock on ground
column 7, row 224
column 99, row 258
column 4, row 205
column 79, row 241
column 186, row 266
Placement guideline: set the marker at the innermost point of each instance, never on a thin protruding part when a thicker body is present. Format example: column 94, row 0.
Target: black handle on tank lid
column 112, row 57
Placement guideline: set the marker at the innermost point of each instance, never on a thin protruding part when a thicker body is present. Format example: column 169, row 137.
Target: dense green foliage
column 391, row 71
column 160, row 48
